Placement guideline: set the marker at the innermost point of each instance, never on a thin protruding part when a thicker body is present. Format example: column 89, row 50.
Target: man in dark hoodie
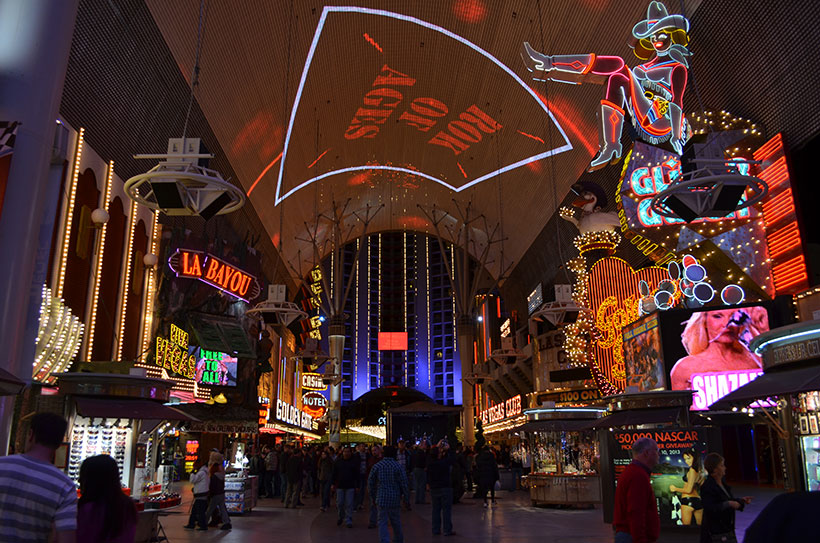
column 345, row 481
column 439, row 467
column 293, row 471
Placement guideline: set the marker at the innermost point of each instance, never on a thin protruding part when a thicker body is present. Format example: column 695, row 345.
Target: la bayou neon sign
column 215, row 272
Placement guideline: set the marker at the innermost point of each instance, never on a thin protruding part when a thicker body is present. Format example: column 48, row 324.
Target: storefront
column 786, row 396
column 118, row 415
column 292, row 423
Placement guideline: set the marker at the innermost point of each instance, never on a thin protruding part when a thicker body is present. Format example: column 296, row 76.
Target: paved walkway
column 512, row 520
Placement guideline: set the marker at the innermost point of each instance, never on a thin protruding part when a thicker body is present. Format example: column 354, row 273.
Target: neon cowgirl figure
column 651, row 93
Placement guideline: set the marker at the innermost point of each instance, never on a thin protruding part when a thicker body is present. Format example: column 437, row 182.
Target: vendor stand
column 787, row 395
column 226, row 428
column 118, row 415
column 564, row 455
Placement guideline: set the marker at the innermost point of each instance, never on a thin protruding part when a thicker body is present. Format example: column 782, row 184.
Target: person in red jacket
column 636, row 517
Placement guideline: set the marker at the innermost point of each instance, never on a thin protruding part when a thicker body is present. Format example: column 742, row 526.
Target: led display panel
column 392, row 341
column 707, row 351
column 215, row 368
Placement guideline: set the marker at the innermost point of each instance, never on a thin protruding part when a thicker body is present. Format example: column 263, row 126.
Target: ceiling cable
column 195, row 72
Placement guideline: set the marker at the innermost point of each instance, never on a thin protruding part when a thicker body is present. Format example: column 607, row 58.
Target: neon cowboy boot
column 574, row 64
column 612, row 121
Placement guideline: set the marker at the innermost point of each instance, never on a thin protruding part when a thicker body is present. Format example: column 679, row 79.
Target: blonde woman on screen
column 718, row 341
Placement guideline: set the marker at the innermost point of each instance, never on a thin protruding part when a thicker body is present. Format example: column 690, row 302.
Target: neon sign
column 395, row 107
column 501, row 411
column 313, row 381
column 215, row 272
column 652, row 93
column 613, row 287
column 314, row 404
column 646, row 182
column 291, row 415
column 708, row 388
column 172, row 353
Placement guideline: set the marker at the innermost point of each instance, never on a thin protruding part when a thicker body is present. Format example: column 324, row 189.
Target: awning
column 9, row 384
column 566, row 425
column 125, row 408
column 637, row 416
column 770, row 385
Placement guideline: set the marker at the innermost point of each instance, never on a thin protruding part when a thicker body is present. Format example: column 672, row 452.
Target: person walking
column 419, row 462
column 362, row 455
column 37, row 498
column 487, row 474
column 272, row 473
column 372, row 460
column 283, row 464
column 201, row 482
column 439, row 467
column 636, row 518
column 719, row 504
column 469, row 466
column 388, row 483
column 345, row 481
column 256, row 467
column 293, row 471
column 216, row 491
column 104, row 513
column 325, row 479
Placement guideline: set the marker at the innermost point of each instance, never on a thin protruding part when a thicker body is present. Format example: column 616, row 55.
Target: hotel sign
column 504, row 410
column 215, row 272
column 313, row 381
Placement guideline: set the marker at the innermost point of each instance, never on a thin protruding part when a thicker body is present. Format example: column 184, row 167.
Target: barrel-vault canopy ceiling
column 402, row 103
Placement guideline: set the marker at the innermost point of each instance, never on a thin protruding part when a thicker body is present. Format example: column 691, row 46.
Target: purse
column 728, row 537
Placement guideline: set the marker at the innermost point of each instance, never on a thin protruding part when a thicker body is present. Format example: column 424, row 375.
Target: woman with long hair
column 691, row 504
column 104, row 513
column 216, row 490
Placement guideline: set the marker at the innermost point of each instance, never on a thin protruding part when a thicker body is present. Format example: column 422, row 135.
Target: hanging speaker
column 216, row 206
column 680, row 208
column 167, row 195
column 727, row 199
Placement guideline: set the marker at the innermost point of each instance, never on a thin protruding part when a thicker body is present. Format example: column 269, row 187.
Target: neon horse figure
column 652, row 93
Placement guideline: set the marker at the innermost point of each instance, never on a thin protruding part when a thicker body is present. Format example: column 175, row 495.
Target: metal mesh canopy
column 400, row 103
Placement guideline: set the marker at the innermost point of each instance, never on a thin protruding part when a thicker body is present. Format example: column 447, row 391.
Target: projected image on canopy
column 388, row 100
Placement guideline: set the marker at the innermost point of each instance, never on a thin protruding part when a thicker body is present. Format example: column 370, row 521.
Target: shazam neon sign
column 646, row 182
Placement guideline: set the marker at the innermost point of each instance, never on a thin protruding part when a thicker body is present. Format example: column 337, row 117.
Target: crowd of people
column 380, row 478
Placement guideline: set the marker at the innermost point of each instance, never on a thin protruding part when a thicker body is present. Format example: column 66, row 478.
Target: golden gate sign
column 215, row 272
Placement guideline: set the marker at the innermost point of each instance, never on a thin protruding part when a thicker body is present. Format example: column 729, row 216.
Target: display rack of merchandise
column 241, row 493
column 163, row 501
column 90, row 438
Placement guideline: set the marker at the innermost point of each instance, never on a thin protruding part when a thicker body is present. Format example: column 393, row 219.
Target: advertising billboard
column 215, row 368
column 643, row 355
column 707, row 351
column 677, row 478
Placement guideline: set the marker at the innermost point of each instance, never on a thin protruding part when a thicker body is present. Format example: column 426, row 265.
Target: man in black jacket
column 345, row 481
column 293, row 470
column 419, row 462
column 439, row 466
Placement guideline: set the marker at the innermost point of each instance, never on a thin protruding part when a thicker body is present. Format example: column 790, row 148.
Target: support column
column 336, row 339
column 464, row 329
column 35, row 40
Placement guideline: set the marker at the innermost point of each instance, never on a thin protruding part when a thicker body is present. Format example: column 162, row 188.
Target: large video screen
column 215, row 368
column 643, row 355
column 707, row 351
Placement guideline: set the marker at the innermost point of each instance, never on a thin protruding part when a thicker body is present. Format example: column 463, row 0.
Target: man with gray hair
column 636, row 517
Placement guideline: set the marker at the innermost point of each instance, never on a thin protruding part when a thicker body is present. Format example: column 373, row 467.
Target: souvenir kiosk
column 118, row 415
